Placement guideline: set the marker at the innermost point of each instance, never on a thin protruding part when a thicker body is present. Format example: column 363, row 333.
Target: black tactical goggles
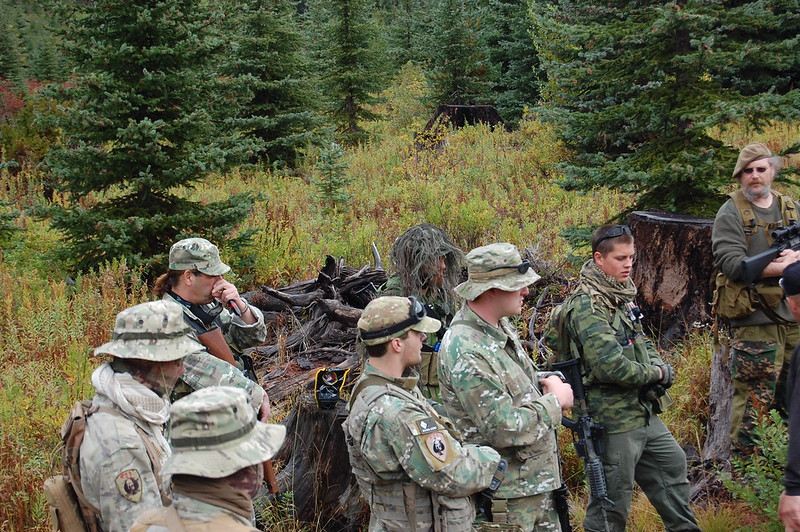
column 614, row 232
column 416, row 313
column 522, row 268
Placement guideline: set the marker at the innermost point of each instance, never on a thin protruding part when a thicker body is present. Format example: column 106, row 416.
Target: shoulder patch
column 437, row 445
column 129, row 485
column 427, row 425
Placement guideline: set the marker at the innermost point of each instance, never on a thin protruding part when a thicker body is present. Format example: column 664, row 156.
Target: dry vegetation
column 480, row 185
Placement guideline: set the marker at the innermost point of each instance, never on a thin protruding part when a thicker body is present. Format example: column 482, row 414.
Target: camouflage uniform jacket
column 201, row 369
column 489, row 387
column 116, row 472
column 195, row 516
column 406, row 461
column 617, row 358
column 730, row 247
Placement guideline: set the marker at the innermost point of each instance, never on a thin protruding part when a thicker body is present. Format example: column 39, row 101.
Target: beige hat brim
column 164, row 350
column 221, row 269
column 472, row 288
column 259, row 445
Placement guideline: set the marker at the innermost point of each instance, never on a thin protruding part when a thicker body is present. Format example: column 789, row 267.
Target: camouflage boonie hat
column 214, row 433
column 495, row 266
column 154, row 331
column 750, row 153
column 197, row 254
column 389, row 317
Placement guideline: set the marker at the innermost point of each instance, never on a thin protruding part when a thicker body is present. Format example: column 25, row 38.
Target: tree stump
column 317, row 469
column 718, row 441
column 673, row 267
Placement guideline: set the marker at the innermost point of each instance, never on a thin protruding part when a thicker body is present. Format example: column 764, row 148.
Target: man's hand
column 789, row 512
column 563, row 391
column 265, row 411
column 667, row 375
column 776, row 267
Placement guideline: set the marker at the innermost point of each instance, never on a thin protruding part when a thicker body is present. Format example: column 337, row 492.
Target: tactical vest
column 402, row 505
column 736, row 300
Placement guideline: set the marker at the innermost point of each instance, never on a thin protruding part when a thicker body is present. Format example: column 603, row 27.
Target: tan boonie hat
column 197, row 254
column 495, row 266
column 388, row 317
column 214, row 433
column 154, row 331
column 750, row 153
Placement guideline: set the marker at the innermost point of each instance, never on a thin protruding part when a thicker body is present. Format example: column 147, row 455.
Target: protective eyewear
column 416, row 313
column 522, row 268
column 759, row 169
column 614, row 232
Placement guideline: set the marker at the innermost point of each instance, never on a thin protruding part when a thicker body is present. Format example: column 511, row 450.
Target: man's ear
column 396, row 344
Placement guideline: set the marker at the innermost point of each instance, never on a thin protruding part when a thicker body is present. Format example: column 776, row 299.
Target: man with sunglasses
column 212, row 305
column 407, row 459
column 625, row 382
column 763, row 331
column 491, row 388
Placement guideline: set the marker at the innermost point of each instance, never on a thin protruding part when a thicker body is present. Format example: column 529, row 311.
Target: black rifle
column 782, row 238
column 589, row 445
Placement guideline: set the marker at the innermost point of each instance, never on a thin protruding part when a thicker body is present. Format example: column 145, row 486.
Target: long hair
column 415, row 256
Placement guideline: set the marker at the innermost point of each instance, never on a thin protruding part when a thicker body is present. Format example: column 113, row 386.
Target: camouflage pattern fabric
column 150, row 331
column 536, row 511
column 760, row 364
column 489, row 387
column 429, row 368
column 214, row 434
column 201, row 370
column 617, row 358
column 116, row 472
column 197, row 254
column 408, row 464
column 195, row 516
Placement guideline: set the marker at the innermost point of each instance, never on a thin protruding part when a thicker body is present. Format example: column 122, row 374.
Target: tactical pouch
column 65, row 510
column 733, row 300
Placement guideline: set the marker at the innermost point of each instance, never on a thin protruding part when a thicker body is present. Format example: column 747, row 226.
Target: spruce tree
column 347, row 50
column 268, row 46
column 457, row 59
column 512, row 57
column 142, row 120
column 637, row 88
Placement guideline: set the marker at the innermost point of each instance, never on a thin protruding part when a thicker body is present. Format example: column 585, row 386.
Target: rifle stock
column 782, row 238
column 217, row 346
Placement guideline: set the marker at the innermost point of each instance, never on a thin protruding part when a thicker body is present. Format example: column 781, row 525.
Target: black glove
column 667, row 375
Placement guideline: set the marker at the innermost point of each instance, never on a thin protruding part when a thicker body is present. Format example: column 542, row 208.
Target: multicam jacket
column 407, row 462
column 489, row 387
column 201, row 369
column 117, row 475
column 616, row 357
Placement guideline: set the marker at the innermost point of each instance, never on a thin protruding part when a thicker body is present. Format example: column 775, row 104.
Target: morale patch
column 437, row 445
column 129, row 484
column 427, row 425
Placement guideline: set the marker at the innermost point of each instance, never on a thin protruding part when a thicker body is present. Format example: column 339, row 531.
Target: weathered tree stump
column 317, row 469
column 718, row 441
column 673, row 267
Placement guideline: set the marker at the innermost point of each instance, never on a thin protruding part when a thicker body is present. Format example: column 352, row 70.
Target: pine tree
column 638, row 86
column 457, row 60
column 514, row 61
column 268, row 46
column 347, row 51
column 143, row 119
column 10, row 67
column 407, row 32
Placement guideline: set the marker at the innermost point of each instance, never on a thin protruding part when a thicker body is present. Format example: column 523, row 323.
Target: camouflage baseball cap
column 388, row 317
column 197, row 254
column 752, row 152
column 214, row 433
column 495, row 266
column 154, row 331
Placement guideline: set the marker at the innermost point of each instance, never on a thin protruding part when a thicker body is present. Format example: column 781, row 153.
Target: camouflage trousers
column 650, row 457
column 760, row 357
column 525, row 514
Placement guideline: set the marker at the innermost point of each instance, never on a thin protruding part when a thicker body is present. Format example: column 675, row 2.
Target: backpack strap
column 789, row 214
column 172, row 519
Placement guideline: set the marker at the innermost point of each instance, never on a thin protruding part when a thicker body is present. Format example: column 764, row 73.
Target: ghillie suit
column 415, row 257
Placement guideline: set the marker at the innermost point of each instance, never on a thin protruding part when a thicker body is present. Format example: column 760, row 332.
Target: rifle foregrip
column 597, row 479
